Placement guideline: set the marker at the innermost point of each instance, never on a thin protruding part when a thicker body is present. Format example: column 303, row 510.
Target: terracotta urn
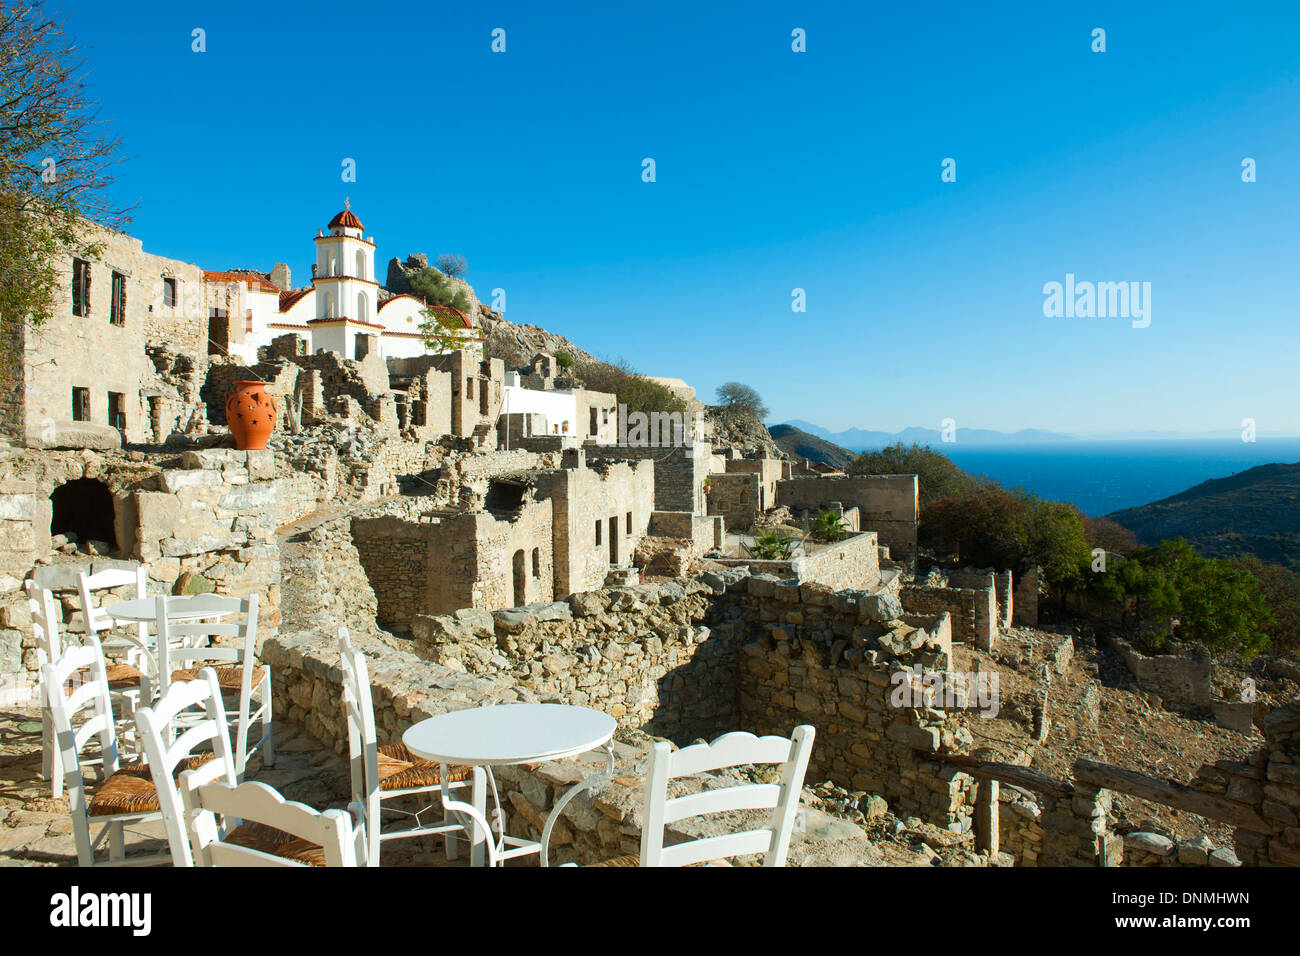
column 251, row 414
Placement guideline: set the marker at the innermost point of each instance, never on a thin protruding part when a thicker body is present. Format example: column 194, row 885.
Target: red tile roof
column 255, row 280
column 346, row 219
column 289, row 299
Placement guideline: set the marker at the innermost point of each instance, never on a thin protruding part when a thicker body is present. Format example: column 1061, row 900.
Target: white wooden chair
column 133, row 650
column 124, row 681
column 167, row 759
column 384, row 773
column 239, row 676
column 76, row 681
column 729, row 750
column 305, row 837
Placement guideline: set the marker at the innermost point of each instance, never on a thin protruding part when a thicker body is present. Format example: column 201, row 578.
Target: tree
column 735, row 396
column 564, row 360
column 829, row 526
column 442, row 329
column 436, row 289
column 452, row 266
column 55, row 163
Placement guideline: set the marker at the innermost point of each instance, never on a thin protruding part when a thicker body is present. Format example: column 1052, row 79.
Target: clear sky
column 775, row 170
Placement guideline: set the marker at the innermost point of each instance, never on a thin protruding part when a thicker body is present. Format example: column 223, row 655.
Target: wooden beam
column 1012, row 774
column 1106, row 777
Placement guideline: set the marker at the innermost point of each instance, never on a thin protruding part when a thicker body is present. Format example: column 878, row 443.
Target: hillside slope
column 800, row 444
column 1256, row 511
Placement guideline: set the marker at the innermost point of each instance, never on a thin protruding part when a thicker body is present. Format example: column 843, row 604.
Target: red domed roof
column 347, row 219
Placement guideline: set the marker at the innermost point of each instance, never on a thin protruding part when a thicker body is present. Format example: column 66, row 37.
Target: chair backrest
column 331, row 830
column 45, row 622
column 74, row 682
column 165, row 756
column 729, row 750
column 174, row 639
column 97, row 618
column 358, row 709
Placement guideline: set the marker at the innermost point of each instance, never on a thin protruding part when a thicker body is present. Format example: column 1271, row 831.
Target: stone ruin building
column 487, row 534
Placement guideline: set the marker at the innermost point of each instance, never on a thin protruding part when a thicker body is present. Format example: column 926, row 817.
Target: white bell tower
column 347, row 295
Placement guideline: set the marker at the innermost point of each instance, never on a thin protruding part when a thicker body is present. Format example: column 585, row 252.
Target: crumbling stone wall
column 973, row 610
column 202, row 521
column 1181, row 678
column 680, row 473
column 888, row 504
column 640, row 653
column 735, row 498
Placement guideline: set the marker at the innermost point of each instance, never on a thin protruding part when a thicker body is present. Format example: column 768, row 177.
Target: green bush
column 633, row 390
column 1170, row 591
column 829, row 526
column 770, row 546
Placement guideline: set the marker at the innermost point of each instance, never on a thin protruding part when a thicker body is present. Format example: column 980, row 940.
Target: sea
column 1099, row 477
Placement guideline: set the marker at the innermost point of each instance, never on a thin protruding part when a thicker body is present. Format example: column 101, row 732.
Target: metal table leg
column 595, row 780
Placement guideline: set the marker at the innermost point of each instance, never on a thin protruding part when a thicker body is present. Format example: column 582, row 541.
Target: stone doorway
column 84, row 508
column 521, row 581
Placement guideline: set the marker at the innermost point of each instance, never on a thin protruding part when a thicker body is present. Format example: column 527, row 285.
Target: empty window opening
column 469, row 388
column 629, row 522
column 80, row 287
column 537, row 562
column 598, row 531
column 613, row 540
column 169, row 293
column 80, row 404
column 521, row 582
column 84, row 508
column 117, row 410
column 593, row 421
column 117, row 305
column 504, row 495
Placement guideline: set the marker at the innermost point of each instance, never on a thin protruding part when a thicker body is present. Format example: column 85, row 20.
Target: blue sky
column 775, row 170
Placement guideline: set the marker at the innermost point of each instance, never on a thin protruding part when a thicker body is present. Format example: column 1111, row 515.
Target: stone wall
column 640, row 653
column 91, row 352
column 853, row 563
column 201, row 521
column 973, row 610
column 735, row 498
column 888, row 504
column 679, row 472
column 1181, row 678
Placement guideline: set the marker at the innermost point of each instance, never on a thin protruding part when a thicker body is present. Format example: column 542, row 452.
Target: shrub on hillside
column 633, row 390
column 1281, row 589
column 1170, row 591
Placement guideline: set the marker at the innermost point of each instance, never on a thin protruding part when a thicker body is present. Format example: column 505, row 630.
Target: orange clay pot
column 251, row 414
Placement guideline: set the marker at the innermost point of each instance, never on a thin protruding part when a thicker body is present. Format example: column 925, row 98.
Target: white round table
column 512, row 734
column 185, row 607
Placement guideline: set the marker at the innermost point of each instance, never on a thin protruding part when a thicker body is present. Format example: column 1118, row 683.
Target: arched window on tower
column 362, row 315
column 361, row 264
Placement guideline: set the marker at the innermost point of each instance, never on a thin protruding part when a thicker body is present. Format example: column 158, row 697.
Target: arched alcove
column 85, row 508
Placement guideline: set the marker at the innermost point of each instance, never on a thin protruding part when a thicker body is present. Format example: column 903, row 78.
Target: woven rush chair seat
column 399, row 769
column 630, row 859
column 267, row 839
column 120, row 677
column 131, row 789
column 230, row 678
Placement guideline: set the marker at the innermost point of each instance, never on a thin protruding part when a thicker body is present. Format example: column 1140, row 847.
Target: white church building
column 344, row 310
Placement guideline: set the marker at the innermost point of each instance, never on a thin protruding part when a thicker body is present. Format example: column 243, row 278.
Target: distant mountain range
column 1256, row 511
column 858, row 439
